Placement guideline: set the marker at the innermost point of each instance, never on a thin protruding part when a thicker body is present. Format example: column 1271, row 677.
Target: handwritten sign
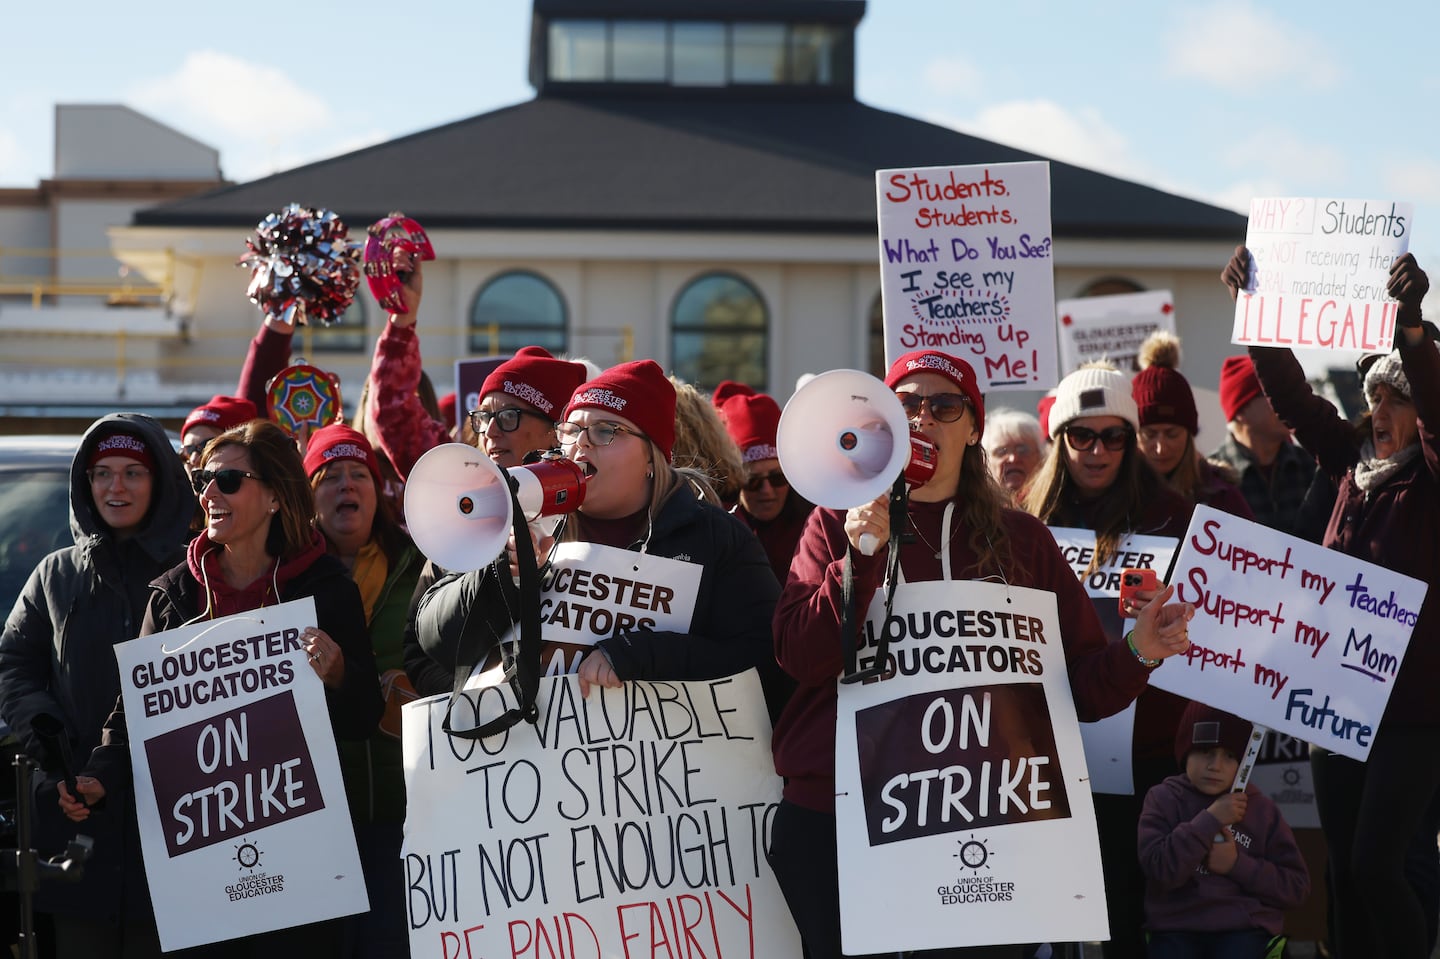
column 1318, row 273
column 629, row 824
column 1287, row 634
column 1111, row 327
column 960, row 779
column 243, row 819
column 1108, row 741
column 966, row 267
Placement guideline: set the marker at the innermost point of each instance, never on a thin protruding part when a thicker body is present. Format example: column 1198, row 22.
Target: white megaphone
column 844, row 439
column 457, row 502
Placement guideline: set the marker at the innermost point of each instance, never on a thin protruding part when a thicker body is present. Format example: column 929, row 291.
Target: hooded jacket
column 56, row 658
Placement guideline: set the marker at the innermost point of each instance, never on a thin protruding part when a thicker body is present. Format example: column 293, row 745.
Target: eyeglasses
column 509, row 418
column 944, row 407
column 1082, row 438
column 1019, row 449
column 228, row 480
column 775, row 478
column 103, row 476
column 193, row 449
column 601, row 434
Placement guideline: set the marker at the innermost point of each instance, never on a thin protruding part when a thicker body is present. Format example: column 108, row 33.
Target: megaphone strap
column 899, row 519
column 522, row 662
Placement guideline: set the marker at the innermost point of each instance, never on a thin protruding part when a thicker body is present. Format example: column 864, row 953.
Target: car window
column 34, row 521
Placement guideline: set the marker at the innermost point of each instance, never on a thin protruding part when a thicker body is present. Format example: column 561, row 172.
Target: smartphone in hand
column 1134, row 581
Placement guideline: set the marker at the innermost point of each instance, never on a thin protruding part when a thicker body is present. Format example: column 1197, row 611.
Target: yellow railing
column 121, row 291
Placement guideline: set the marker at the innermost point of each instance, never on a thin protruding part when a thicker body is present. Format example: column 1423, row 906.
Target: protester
column 210, row 420
column 1013, row 446
column 961, row 511
column 767, row 504
column 1221, row 867
column 620, row 429
column 1277, row 478
column 361, row 532
column 1387, row 512
column 129, row 510
column 1095, row 478
column 1168, row 425
column 258, row 549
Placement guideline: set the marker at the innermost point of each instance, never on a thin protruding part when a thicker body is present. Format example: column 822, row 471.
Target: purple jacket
column 1181, row 895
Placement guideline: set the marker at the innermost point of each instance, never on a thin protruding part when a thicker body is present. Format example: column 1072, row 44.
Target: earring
column 650, row 475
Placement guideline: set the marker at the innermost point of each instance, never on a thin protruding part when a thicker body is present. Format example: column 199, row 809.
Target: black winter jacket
column 56, row 657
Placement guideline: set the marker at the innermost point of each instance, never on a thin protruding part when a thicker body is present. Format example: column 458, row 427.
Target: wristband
column 1147, row 663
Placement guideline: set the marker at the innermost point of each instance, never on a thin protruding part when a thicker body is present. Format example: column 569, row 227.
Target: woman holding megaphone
column 961, row 530
column 651, row 530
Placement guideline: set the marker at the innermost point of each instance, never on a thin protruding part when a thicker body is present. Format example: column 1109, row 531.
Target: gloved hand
column 1237, row 272
column 1408, row 284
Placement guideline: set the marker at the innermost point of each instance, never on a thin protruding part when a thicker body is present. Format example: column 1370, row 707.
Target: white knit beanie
column 1093, row 391
column 1388, row 370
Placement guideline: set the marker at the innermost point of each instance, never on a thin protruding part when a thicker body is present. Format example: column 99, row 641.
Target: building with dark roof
column 692, row 182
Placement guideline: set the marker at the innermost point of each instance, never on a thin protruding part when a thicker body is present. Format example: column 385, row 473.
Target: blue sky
column 1220, row 100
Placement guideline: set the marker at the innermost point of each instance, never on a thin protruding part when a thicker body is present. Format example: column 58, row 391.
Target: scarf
column 370, row 572
column 1371, row 472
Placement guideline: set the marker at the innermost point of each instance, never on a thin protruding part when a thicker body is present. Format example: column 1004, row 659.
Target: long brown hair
column 981, row 503
column 1117, row 508
column 273, row 455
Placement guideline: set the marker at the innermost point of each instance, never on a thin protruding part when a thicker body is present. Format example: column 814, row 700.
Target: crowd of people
column 248, row 516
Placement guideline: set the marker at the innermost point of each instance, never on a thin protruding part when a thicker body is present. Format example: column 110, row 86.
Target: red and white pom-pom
column 304, row 267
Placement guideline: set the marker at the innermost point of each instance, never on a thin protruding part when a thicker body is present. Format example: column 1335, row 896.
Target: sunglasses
column 601, row 434
column 193, row 449
column 509, row 419
column 1082, row 438
column 775, row 478
column 228, row 480
column 944, row 407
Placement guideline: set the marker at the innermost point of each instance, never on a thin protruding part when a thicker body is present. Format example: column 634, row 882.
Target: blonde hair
column 702, row 445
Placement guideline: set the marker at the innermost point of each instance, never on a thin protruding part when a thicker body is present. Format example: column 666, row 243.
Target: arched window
column 1110, row 286
column 876, row 339
column 720, row 331
column 517, row 309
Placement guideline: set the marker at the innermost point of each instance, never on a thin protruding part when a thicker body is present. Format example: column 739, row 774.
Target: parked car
column 34, row 506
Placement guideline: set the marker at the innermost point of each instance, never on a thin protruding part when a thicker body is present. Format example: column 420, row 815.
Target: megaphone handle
column 869, row 543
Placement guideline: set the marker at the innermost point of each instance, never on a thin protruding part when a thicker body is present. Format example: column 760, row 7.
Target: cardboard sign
column 966, row 268
column 1111, row 327
column 1304, row 640
column 632, row 823
column 1282, row 772
column 1318, row 273
column 960, row 779
column 1108, row 741
column 244, row 823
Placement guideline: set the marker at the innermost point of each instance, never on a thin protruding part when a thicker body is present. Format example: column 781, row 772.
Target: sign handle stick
column 1247, row 762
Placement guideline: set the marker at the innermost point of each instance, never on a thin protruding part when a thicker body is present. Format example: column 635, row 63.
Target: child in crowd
column 1221, row 867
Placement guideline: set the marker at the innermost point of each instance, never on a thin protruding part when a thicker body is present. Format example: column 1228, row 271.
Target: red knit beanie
column 752, row 422
column 221, row 413
column 336, row 442
column 446, row 404
column 127, row 445
column 1204, row 727
column 1163, row 395
column 727, row 389
column 638, row 391
column 536, row 377
column 1238, row 384
column 953, row 368
column 1042, row 410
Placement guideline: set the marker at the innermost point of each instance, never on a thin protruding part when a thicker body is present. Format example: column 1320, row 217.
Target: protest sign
column 470, row 375
column 1111, row 327
column 1108, row 741
column 965, row 267
column 960, row 779
column 1318, row 273
column 1301, row 639
column 1282, row 772
column 244, row 823
column 630, row 823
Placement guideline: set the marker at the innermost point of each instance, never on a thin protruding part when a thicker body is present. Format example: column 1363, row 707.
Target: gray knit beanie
column 1387, row 370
